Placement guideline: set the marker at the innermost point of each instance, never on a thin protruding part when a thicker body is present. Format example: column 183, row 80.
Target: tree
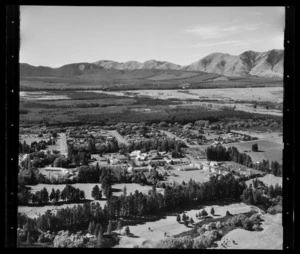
column 52, row 195
column 109, row 228
column 186, row 223
column 125, row 190
column 127, row 231
column 28, row 238
column 57, row 194
column 255, row 147
column 183, row 217
column 100, row 234
column 191, row 221
column 44, row 195
column 178, row 218
column 119, row 226
column 204, row 213
column 212, row 211
column 96, row 193
column 91, row 227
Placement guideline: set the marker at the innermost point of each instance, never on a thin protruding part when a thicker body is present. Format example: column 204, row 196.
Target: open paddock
column 197, row 175
column 132, row 187
column 268, row 179
column 268, row 149
column 271, row 237
column 170, row 226
column 33, row 212
column 86, row 187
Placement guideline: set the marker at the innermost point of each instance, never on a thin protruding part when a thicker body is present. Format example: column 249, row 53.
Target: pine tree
column 212, row 211
column 28, row 238
column 178, row 218
column 127, row 231
column 191, row 221
column 183, row 217
column 119, row 226
column 125, row 191
column 52, row 194
column 204, row 213
column 100, row 234
column 109, row 228
column 96, row 192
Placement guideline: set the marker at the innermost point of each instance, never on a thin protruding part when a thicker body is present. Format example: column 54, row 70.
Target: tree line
column 34, row 146
column 261, row 195
column 220, row 153
column 69, row 194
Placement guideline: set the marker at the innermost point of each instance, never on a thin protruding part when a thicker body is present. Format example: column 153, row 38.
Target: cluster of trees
column 261, row 195
column 137, row 204
column 272, row 167
column 69, row 194
column 217, row 153
column 220, row 153
column 77, row 154
column 29, row 176
column 41, row 159
column 75, row 218
column 34, row 146
column 161, row 144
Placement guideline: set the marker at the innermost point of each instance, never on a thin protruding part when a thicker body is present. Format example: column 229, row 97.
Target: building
column 139, row 169
column 187, row 168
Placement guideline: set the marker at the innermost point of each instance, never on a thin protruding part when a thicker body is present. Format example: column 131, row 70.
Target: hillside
column 68, row 70
column 250, row 63
column 264, row 64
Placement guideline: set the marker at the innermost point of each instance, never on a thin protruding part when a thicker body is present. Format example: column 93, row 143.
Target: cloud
column 213, row 31
column 226, row 42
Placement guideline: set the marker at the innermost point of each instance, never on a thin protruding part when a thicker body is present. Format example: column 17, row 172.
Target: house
column 114, row 161
column 140, row 169
column 187, row 168
column 205, row 167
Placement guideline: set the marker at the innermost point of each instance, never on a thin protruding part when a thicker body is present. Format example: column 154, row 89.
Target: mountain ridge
column 248, row 63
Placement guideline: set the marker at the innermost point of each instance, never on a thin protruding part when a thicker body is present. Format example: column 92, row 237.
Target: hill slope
column 264, row 64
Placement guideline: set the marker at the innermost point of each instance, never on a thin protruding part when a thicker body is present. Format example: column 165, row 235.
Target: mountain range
column 250, row 63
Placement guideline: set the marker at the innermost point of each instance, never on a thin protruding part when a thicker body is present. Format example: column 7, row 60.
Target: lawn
column 33, row 212
column 268, row 179
column 132, row 187
column 269, row 238
column 197, row 175
column 269, row 149
column 144, row 237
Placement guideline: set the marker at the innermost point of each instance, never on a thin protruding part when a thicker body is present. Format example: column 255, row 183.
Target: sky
column 56, row 35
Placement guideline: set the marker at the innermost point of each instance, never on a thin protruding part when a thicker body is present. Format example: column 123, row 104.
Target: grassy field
column 268, row 179
column 197, row 175
column 33, row 212
column 87, row 188
column 269, row 149
column 132, row 187
column 98, row 78
column 269, row 238
column 147, row 238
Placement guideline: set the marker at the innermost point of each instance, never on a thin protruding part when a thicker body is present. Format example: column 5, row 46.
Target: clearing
column 271, row 237
column 268, row 179
column 269, row 149
column 146, row 238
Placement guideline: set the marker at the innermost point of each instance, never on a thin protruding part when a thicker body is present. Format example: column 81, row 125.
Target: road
column 171, row 135
column 61, row 144
column 119, row 137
